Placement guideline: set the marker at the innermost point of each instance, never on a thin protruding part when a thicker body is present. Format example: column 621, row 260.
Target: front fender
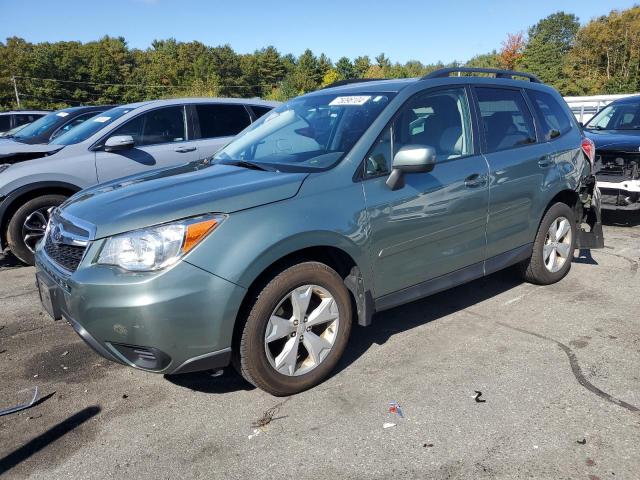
column 248, row 242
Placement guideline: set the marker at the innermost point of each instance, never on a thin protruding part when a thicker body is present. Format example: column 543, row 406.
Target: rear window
column 553, row 117
column 506, row 119
column 260, row 111
column 222, row 120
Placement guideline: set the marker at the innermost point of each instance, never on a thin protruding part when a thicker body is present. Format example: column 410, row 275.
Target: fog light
column 148, row 358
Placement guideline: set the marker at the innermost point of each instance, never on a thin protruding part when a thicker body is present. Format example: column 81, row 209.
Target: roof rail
column 339, row 83
column 445, row 72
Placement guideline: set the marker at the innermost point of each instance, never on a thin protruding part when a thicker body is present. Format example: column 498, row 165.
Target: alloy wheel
column 34, row 227
column 557, row 245
column 302, row 330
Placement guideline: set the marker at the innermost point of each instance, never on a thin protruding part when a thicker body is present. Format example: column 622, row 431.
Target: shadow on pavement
column 9, row 261
column 204, row 382
column 47, row 438
column 585, row 257
column 405, row 317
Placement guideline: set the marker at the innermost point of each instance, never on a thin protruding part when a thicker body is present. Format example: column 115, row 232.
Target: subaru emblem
column 56, row 235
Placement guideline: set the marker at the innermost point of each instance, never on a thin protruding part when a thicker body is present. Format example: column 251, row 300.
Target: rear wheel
column 297, row 330
column 553, row 247
column 28, row 224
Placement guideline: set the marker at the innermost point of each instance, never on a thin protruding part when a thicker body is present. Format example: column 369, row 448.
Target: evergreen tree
column 345, row 68
column 549, row 42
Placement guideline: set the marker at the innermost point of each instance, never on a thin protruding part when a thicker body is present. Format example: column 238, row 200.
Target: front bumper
column 175, row 321
column 623, row 195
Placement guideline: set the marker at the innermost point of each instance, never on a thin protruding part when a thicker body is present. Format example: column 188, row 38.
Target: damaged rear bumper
column 590, row 234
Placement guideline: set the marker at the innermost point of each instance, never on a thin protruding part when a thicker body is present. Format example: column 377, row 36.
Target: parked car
column 15, row 118
column 338, row 204
column 52, row 125
column 615, row 130
column 120, row 141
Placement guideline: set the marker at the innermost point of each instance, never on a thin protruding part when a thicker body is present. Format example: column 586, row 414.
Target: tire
column 257, row 358
column 36, row 211
column 539, row 268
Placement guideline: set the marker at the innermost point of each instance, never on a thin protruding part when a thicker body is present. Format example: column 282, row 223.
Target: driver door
column 160, row 137
column 436, row 223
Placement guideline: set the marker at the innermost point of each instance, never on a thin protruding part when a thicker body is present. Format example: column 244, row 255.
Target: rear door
column 518, row 165
column 161, row 140
column 215, row 124
column 435, row 224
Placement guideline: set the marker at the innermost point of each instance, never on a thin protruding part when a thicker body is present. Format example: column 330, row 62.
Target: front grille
column 67, row 256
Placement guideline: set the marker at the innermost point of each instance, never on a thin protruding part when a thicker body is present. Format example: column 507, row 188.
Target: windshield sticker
column 350, row 100
column 102, row 119
column 62, row 114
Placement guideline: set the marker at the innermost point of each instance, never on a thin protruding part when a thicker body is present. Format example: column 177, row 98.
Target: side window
column 260, row 111
column 5, row 122
column 554, row 119
column 73, row 123
column 25, row 118
column 163, row 125
column 221, row 120
column 438, row 119
column 506, row 119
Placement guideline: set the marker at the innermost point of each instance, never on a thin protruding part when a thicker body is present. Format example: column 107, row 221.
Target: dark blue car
column 615, row 130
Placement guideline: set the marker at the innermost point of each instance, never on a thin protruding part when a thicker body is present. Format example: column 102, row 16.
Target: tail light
column 589, row 149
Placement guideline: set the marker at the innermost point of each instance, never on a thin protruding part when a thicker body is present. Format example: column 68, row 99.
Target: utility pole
column 15, row 88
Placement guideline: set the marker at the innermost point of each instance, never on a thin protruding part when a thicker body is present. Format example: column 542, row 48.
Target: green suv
column 338, row 204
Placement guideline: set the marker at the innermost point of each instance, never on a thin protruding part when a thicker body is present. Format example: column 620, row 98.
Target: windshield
column 41, row 125
column 306, row 133
column 86, row 129
column 621, row 116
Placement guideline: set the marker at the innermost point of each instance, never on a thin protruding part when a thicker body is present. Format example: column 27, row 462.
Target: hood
column 178, row 192
column 615, row 140
column 14, row 152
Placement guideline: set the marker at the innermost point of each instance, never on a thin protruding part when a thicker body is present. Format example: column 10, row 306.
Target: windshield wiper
column 247, row 164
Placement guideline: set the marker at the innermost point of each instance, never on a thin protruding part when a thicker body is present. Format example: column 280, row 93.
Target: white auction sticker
column 62, row 114
column 350, row 100
column 102, row 119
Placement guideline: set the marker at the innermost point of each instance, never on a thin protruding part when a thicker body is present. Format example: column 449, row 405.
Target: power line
column 51, row 98
column 137, row 85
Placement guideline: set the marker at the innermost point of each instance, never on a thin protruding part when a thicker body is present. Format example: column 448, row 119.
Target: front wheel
column 553, row 246
column 28, row 224
column 297, row 330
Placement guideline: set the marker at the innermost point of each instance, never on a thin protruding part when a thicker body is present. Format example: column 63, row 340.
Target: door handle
column 185, row 149
column 475, row 180
column 545, row 162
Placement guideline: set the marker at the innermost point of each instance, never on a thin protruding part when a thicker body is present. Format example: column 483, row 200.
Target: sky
column 424, row 30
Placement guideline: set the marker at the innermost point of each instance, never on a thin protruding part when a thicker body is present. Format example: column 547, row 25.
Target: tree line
column 602, row 56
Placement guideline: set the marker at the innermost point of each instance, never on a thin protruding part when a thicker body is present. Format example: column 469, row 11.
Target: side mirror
column 410, row 159
column 118, row 142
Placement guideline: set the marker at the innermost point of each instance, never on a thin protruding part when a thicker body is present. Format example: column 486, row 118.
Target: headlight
column 157, row 247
